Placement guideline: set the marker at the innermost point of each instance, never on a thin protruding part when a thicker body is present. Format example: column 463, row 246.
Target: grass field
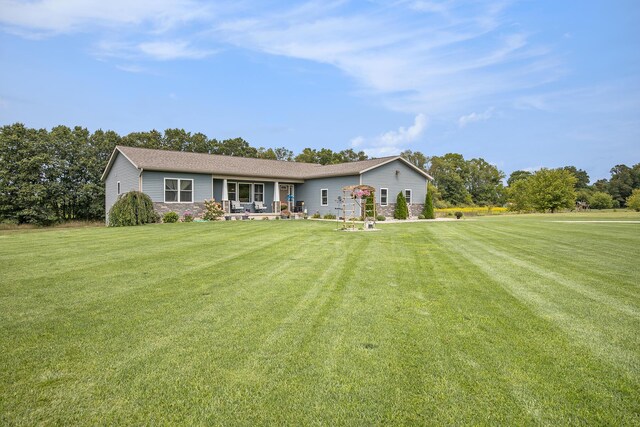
column 512, row 320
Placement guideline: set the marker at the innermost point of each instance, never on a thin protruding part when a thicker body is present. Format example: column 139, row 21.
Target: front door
column 285, row 190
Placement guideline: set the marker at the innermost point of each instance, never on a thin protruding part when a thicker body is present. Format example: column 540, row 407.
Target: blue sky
column 523, row 84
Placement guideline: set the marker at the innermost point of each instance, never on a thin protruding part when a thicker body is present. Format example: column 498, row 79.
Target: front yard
column 509, row 320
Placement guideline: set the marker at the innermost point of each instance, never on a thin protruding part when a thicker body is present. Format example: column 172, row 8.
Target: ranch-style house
column 180, row 182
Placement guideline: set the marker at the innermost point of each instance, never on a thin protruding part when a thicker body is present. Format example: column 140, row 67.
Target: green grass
column 512, row 320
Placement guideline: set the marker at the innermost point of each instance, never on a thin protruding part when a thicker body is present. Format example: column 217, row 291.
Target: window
column 178, row 190
column 118, row 187
column 244, row 192
column 258, row 192
column 407, row 195
column 324, row 197
column 384, row 194
column 232, row 190
column 186, row 190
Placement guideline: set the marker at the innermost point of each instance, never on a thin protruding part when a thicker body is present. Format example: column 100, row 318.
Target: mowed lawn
column 512, row 320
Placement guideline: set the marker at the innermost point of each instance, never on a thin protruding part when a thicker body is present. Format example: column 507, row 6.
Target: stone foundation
column 414, row 210
column 196, row 209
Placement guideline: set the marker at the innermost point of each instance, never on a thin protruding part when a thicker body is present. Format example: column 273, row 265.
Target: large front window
column 178, row 190
column 244, row 192
column 258, row 192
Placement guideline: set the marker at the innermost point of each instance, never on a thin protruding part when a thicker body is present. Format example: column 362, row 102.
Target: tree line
column 53, row 176
column 461, row 182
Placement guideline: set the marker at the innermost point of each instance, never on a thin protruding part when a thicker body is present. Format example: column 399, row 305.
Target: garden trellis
column 358, row 202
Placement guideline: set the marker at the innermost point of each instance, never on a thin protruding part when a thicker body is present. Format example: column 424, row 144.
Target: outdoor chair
column 259, row 207
column 236, row 207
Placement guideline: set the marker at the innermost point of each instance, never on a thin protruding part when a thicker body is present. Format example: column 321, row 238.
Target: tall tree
column 484, row 182
column 517, row 176
column 552, row 189
column 582, row 177
column 621, row 183
column 415, row 158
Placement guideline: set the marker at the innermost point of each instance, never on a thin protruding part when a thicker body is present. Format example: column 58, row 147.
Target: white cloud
column 475, row 117
column 172, row 50
column 67, row 16
column 392, row 142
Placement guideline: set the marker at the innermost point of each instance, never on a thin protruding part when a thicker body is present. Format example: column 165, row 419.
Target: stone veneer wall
column 414, row 209
column 196, row 209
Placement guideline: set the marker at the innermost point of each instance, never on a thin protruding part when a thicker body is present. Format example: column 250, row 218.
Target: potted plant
column 285, row 214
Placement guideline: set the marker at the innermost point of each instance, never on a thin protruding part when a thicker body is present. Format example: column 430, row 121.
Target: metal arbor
column 358, row 202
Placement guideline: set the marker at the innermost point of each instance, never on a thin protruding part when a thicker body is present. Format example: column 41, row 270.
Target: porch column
column 293, row 197
column 225, row 196
column 276, row 197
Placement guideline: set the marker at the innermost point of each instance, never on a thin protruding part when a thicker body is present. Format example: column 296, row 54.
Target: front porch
column 241, row 196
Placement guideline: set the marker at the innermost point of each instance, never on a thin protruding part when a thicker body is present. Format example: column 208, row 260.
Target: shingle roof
column 177, row 161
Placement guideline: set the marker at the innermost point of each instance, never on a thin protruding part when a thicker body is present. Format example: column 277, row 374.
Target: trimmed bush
column 381, row 218
column 421, row 216
column 402, row 210
column 458, row 214
column 316, row 215
column 633, row 201
column 600, row 200
column 170, row 218
column 329, row 216
column 428, row 211
column 132, row 208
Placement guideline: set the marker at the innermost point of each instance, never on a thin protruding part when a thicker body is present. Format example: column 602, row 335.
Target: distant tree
column 402, row 210
column 551, row 189
column 283, row 154
column 633, row 201
column 601, row 185
column 237, row 147
column 582, row 178
column 346, row 156
column 266, row 153
column 415, row 158
column 519, row 195
column 308, row 155
column 484, row 182
column 450, row 173
column 518, row 175
column 151, row 139
column 600, row 200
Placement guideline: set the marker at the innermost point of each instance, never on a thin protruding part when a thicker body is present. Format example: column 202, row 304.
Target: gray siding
column 309, row 192
column 122, row 170
column 153, row 184
column 217, row 189
column 407, row 178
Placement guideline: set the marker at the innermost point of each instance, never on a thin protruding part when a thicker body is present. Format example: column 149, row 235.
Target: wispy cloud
column 56, row 17
column 475, row 117
column 418, row 56
column 392, row 142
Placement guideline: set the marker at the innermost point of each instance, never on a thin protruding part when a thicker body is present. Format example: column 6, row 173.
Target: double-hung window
column 178, row 190
column 407, row 195
column 232, row 191
column 258, row 192
column 244, row 192
column 324, row 197
column 384, row 196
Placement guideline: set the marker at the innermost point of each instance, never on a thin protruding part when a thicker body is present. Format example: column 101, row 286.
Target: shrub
column 132, row 208
column 428, row 211
column 600, row 200
column 329, row 216
column 285, row 214
column 213, row 210
column 633, row 201
column 316, row 215
column 402, row 210
column 170, row 217
column 421, row 216
column 381, row 218
column 187, row 217
column 458, row 214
